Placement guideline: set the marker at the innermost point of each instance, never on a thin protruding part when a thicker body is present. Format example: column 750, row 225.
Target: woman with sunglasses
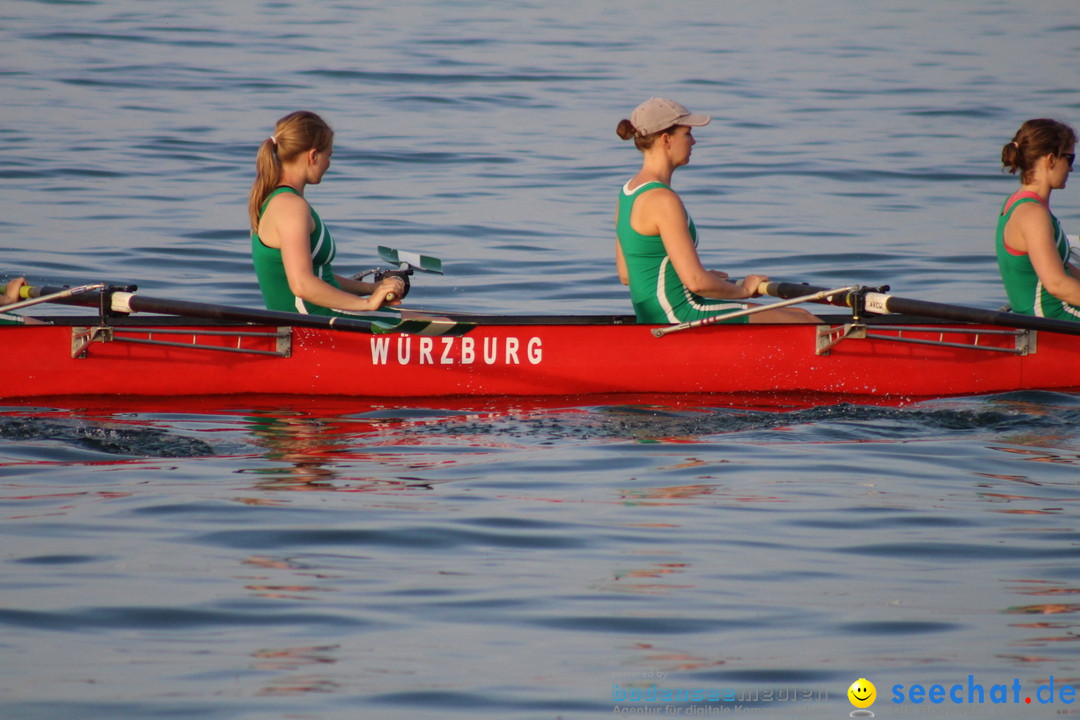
column 1032, row 250
column 656, row 241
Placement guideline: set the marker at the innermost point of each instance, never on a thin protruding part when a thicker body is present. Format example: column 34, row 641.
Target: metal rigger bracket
column 829, row 337
column 105, row 332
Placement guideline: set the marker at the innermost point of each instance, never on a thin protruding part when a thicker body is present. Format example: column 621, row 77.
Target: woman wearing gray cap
column 656, row 241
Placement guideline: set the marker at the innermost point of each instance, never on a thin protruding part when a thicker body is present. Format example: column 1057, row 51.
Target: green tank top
column 270, row 270
column 1022, row 285
column 657, row 293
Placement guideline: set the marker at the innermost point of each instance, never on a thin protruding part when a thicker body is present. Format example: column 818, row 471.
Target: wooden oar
column 130, row 302
column 881, row 303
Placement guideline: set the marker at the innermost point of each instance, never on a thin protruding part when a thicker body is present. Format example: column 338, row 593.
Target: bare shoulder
column 663, row 201
column 287, row 202
column 285, row 208
column 286, row 221
column 1031, row 215
column 1030, row 209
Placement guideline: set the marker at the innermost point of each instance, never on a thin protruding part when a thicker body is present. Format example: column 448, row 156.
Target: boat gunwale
column 479, row 319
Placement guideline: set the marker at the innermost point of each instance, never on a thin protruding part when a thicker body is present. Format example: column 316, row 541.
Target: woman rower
column 656, row 241
column 291, row 248
column 1032, row 250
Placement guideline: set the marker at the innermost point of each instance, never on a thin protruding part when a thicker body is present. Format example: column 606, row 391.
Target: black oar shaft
column 206, row 311
column 879, row 302
column 130, row 302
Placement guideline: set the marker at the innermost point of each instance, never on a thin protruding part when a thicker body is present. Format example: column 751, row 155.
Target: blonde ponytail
column 294, row 134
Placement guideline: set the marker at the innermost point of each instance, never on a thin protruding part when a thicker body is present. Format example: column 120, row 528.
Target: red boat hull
column 546, row 358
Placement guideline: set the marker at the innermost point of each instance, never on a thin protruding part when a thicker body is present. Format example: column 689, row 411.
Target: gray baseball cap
column 656, row 114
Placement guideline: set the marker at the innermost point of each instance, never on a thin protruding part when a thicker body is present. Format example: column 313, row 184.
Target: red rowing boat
column 887, row 347
column 891, row 356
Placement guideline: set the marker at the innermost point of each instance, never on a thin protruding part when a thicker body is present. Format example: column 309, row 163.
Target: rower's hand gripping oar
column 33, row 295
column 407, row 263
column 712, row 320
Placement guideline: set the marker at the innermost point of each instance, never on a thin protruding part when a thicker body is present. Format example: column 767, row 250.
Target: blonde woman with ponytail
column 292, row 250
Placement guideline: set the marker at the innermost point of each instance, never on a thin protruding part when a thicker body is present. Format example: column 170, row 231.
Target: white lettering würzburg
column 409, row 350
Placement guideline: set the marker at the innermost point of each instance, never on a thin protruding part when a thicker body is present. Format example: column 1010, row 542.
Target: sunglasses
column 1070, row 157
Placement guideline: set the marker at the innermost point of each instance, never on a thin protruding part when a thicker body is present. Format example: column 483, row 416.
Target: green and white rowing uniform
column 656, row 291
column 274, row 283
column 1022, row 285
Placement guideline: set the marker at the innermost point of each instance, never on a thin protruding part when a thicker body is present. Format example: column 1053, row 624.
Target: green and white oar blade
column 426, row 263
column 417, row 326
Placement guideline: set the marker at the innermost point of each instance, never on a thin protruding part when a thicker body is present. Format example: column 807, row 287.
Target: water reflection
column 1047, row 455
column 308, row 450
column 316, row 453
column 671, row 494
column 298, row 585
column 646, row 580
column 1064, row 628
column 671, row 660
column 291, row 659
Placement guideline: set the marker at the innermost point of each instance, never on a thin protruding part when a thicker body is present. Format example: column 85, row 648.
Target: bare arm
column 1031, row 230
column 620, row 264
column 620, row 261
column 664, row 210
column 287, row 224
column 359, row 287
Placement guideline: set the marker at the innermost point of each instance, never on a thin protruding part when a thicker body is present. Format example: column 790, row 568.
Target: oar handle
column 402, row 274
column 787, row 291
column 24, row 293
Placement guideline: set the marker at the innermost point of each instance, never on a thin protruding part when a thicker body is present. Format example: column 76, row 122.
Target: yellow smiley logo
column 862, row 693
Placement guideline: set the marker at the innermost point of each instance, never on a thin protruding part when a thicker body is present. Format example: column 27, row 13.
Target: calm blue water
column 269, row 558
